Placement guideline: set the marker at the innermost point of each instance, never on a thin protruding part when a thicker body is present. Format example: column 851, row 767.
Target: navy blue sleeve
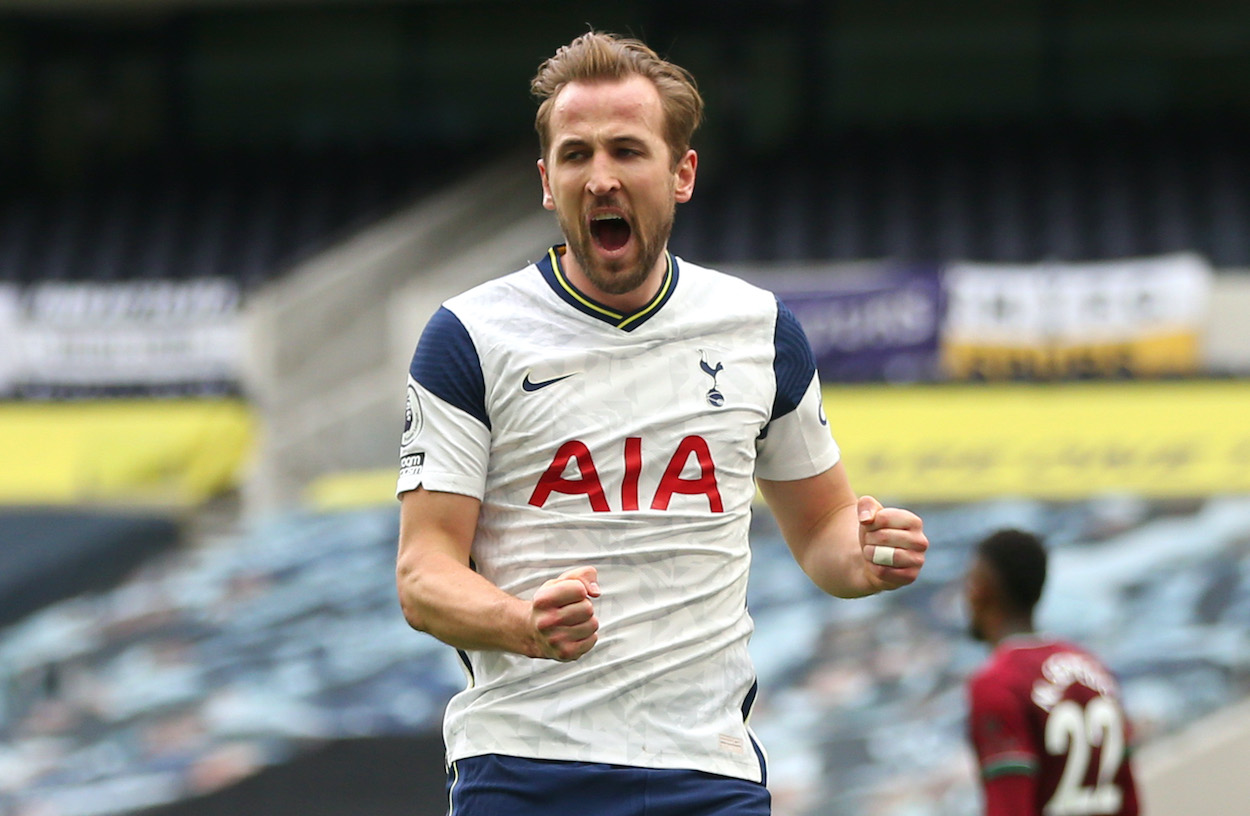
column 446, row 364
column 794, row 364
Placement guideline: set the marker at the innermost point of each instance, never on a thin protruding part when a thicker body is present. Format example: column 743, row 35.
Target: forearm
column 818, row 518
column 848, row 546
column 443, row 597
column 832, row 557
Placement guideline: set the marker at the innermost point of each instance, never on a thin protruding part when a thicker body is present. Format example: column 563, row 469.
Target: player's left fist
column 893, row 543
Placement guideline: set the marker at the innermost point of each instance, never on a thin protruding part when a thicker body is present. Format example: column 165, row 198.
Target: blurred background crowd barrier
column 1017, row 235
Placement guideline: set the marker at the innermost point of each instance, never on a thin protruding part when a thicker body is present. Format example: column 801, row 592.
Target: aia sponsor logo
column 575, row 456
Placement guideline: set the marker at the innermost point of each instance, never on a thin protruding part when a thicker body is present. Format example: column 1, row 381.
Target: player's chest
column 649, row 422
column 556, row 388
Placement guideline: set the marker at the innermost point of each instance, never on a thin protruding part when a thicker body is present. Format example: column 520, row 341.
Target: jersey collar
column 553, row 271
column 1026, row 640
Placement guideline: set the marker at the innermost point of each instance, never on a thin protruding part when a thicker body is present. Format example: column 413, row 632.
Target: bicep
column 439, row 591
column 433, row 522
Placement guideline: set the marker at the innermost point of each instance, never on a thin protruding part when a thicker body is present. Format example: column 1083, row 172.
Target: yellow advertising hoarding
column 122, row 451
column 1048, row 441
column 951, row 442
column 1162, row 354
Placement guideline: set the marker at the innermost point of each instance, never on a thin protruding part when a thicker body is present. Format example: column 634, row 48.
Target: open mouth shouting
column 616, row 250
column 610, row 232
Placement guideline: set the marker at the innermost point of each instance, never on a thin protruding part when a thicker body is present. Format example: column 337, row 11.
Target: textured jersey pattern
column 630, row 445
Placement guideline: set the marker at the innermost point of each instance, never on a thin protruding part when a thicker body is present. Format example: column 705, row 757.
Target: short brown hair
column 596, row 55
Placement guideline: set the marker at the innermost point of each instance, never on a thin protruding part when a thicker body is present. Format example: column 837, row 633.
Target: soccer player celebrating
column 582, row 446
column 1046, row 718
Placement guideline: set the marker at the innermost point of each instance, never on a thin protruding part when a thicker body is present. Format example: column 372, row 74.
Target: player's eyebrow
column 627, row 140
column 624, row 139
column 569, row 142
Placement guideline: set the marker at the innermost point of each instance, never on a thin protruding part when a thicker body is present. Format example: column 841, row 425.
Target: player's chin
column 615, row 259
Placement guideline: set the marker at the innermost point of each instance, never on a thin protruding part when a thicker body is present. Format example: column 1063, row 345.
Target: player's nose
column 603, row 178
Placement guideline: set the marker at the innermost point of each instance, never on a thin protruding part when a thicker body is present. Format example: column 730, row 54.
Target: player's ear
column 684, row 175
column 548, row 201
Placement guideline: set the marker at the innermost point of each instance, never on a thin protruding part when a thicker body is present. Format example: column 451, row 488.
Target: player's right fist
column 563, row 614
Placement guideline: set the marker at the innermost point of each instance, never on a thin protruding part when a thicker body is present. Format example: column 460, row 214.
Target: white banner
column 8, row 337
column 135, row 335
column 1124, row 317
column 1081, row 303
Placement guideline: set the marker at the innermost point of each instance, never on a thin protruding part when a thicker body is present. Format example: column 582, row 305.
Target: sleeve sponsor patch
column 411, row 464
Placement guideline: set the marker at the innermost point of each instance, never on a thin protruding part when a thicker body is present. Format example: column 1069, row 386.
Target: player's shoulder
column 989, row 673
column 1073, row 663
column 1060, row 652
column 502, row 292
column 999, row 683
column 1008, row 660
column 1022, row 659
column 724, row 290
column 712, row 277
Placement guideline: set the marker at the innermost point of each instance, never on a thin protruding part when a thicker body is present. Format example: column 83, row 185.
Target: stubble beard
column 616, row 277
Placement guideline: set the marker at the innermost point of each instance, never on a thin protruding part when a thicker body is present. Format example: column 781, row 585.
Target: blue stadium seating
column 244, row 652
column 1006, row 194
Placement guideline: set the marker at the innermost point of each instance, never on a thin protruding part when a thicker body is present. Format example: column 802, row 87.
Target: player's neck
column 1012, row 628
column 626, row 302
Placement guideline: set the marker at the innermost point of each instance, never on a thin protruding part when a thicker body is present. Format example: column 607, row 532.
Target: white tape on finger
column 884, row 556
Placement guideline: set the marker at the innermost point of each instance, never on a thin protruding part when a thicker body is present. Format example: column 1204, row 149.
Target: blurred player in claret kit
column 580, row 454
column 1046, row 719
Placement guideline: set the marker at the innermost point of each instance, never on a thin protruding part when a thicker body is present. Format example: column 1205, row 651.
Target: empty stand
column 217, row 663
column 1020, row 194
column 245, row 216
column 1012, row 194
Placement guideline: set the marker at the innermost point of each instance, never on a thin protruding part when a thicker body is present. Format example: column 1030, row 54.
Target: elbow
column 407, row 586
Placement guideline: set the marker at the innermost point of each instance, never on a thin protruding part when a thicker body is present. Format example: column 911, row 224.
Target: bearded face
column 615, row 248
column 610, row 178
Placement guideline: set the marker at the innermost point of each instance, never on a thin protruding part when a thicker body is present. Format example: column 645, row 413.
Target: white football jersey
column 630, row 443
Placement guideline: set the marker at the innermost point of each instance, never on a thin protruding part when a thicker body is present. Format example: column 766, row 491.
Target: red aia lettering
column 672, row 482
column 554, row 481
column 633, row 469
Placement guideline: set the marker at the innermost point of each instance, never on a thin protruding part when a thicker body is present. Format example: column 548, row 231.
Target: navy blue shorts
column 494, row 785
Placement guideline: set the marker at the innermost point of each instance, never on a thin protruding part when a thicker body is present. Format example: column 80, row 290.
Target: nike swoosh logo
column 530, row 385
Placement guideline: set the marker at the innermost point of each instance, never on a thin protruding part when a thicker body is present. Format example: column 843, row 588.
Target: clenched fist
column 893, row 543
column 563, row 614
